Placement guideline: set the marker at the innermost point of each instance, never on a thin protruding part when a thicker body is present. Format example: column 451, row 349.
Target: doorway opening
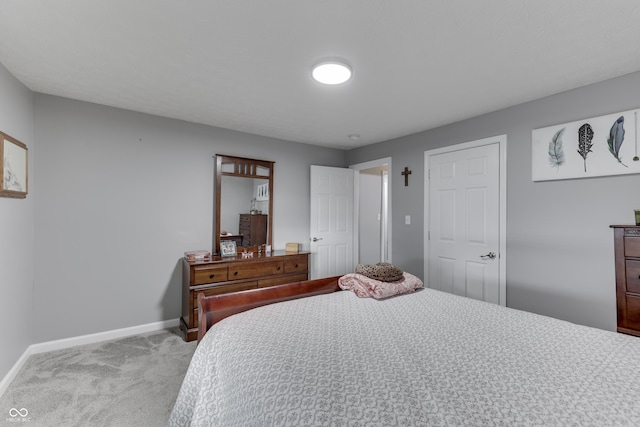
column 372, row 212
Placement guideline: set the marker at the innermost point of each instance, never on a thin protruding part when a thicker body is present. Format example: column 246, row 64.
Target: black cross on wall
column 406, row 174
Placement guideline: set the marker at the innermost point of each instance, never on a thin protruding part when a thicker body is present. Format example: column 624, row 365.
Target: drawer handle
column 235, row 273
column 211, row 276
column 296, row 266
column 278, row 268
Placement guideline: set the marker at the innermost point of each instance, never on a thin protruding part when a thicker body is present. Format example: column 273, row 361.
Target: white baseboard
column 102, row 336
column 81, row 340
column 4, row 384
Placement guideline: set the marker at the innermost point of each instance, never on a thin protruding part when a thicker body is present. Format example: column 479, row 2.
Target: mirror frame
column 244, row 168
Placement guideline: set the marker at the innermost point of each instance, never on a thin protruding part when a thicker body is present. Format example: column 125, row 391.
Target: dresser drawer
column 245, row 222
column 210, row 274
column 258, row 269
column 632, row 246
column 295, row 264
column 633, row 275
column 633, row 312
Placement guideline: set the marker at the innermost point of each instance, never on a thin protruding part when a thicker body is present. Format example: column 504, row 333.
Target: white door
column 331, row 221
column 464, row 222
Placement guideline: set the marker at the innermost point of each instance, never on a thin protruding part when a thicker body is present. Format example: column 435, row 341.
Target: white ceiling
column 246, row 65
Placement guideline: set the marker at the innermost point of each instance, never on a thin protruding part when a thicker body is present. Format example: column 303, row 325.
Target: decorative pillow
column 364, row 286
column 382, row 271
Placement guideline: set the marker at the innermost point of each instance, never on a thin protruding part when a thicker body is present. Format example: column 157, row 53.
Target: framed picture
column 13, row 168
column 598, row 146
column 227, row 248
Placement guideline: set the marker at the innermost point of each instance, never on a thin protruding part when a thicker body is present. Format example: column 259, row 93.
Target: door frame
column 356, row 205
column 501, row 140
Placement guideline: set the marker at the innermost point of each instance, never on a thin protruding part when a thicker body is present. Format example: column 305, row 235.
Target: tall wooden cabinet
column 230, row 274
column 627, row 262
column 253, row 229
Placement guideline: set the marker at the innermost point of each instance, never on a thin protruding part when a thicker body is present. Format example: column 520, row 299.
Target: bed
column 426, row 358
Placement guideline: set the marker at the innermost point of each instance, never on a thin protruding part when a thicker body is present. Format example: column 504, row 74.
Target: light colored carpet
column 130, row 381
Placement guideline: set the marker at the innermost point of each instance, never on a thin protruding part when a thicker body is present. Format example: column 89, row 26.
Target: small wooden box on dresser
column 230, row 274
column 627, row 262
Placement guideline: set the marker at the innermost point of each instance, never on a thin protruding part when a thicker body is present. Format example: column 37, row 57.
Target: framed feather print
column 13, row 167
column 600, row 146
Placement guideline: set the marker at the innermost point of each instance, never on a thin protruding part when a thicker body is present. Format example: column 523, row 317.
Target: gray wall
column 559, row 244
column 16, row 230
column 122, row 195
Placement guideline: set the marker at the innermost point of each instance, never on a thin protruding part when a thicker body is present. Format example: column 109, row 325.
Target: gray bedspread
column 422, row 359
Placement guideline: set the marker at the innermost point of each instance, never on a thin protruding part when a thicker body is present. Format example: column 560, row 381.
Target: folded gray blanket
column 382, row 271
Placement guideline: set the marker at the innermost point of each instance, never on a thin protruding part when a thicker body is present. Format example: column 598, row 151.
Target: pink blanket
column 364, row 286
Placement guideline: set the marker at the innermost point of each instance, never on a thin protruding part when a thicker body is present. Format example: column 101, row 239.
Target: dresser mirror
column 244, row 201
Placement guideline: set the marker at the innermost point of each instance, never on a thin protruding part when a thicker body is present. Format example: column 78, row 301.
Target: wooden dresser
column 254, row 229
column 627, row 262
column 229, row 274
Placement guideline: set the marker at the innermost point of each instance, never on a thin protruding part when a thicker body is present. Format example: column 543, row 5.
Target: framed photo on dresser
column 227, row 248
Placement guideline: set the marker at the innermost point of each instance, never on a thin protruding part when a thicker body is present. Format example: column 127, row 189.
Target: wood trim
column 628, row 331
column 214, row 308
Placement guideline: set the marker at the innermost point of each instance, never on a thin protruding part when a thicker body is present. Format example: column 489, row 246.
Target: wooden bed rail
column 213, row 309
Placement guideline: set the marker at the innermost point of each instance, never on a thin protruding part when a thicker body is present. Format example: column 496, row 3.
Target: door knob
column 315, row 239
column 490, row 255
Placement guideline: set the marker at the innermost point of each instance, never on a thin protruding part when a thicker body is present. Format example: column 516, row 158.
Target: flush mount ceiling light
column 331, row 71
